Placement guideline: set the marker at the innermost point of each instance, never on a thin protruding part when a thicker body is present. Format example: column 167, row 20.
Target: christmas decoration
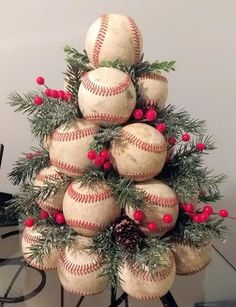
column 106, row 100
column 139, row 153
column 117, row 186
column 102, row 34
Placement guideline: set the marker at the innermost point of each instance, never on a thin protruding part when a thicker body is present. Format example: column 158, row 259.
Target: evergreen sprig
column 74, row 56
column 25, row 168
column 104, row 137
column 23, row 103
column 91, row 177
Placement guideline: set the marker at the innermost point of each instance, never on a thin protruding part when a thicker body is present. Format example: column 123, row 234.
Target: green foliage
column 23, row 103
column 25, row 168
column 104, row 137
column 73, row 56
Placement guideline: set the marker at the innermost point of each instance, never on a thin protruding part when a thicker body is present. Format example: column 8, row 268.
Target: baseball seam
column 136, row 175
column 153, row 76
column 73, row 135
column 40, row 266
column 77, row 292
column 31, row 239
column 197, row 270
column 84, row 224
column 136, row 38
column 80, row 269
column 103, row 90
column 150, row 103
column 107, row 117
column 41, row 177
column 158, row 200
column 50, row 207
column 87, row 198
column 151, row 148
column 67, row 167
column 100, row 39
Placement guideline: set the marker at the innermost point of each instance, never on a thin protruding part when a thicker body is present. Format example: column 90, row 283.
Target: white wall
column 199, row 34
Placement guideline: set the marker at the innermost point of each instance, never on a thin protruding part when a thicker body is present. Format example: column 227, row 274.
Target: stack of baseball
column 107, row 97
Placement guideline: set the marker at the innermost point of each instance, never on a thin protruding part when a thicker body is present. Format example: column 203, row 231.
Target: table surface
column 216, row 283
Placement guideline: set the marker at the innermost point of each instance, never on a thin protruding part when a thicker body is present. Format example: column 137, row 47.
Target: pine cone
column 126, row 233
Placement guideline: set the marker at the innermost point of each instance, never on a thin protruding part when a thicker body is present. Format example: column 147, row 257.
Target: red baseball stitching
column 80, row 269
column 40, row 266
column 138, row 175
column 31, row 239
column 42, row 177
column 84, row 224
column 73, row 135
column 100, row 39
column 168, row 202
column 153, row 76
column 153, row 148
column 103, row 90
column 147, row 276
column 194, row 271
column 75, row 170
column 136, row 38
column 69, row 290
column 87, row 198
column 143, row 297
column 107, row 117
column 150, row 103
column 48, row 206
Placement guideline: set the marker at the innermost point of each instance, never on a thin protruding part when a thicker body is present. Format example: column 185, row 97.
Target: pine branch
column 91, row 177
column 104, row 137
column 23, row 103
column 73, row 56
column 179, row 122
column 25, row 167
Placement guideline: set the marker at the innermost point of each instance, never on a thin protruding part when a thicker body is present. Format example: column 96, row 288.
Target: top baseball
column 114, row 37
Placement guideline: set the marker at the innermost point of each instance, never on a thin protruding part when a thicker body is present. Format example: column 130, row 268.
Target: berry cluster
column 152, row 226
column 186, row 138
column 31, row 155
column 52, row 93
column 100, row 159
column 149, row 115
column 44, row 215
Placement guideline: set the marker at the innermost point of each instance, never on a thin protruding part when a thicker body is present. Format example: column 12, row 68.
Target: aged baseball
column 89, row 209
column 153, row 89
column 30, row 238
column 79, row 269
column 139, row 153
column 190, row 260
column 137, row 281
column 160, row 200
column 69, row 146
column 50, row 174
column 107, row 96
column 113, row 37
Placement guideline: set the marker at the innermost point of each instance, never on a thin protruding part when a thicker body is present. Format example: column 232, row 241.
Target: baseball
column 137, row 281
column 113, row 37
column 79, row 270
column 50, row 174
column 139, row 153
column 30, row 238
column 160, row 200
column 190, row 260
column 107, row 96
column 153, row 89
column 69, row 146
column 89, row 209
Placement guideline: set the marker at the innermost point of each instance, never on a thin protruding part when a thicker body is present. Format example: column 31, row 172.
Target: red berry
column 40, row 80
column 139, row 215
column 38, row 100
column 200, row 146
column 207, row 209
column 151, row 115
column 161, row 127
column 29, row 156
column 203, row 217
column 55, row 212
column 188, row 207
column 47, row 92
column 185, row 137
column 98, row 161
column 59, row 218
column 67, row 96
column 43, row 215
column 61, row 94
column 138, row 114
column 91, row 154
column 54, row 94
column 223, row 213
column 152, row 226
column 107, row 165
column 167, row 218
column 196, row 218
column 172, row 140
column 104, row 154
column 29, row 222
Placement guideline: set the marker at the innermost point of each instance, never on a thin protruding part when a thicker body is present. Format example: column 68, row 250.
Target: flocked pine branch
column 23, row 103
column 73, row 55
column 104, row 137
column 26, row 167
